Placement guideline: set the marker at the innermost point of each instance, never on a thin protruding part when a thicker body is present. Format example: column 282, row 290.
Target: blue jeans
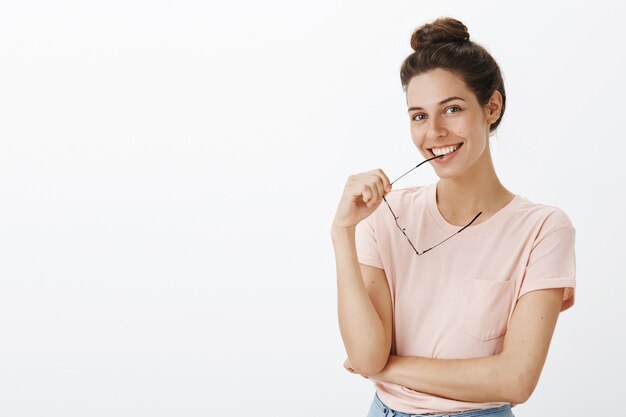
column 380, row 409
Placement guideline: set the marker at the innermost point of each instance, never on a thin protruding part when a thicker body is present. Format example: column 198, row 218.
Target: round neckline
column 471, row 229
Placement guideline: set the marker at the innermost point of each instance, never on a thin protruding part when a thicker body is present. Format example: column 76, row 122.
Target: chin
column 447, row 174
column 446, row 177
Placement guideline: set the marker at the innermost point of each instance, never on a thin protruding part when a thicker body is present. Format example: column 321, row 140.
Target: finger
column 386, row 182
column 378, row 186
column 355, row 187
column 367, row 193
column 376, row 196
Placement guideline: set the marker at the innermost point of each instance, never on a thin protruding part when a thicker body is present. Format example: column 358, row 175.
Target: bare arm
column 510, row 376
column 364, row 306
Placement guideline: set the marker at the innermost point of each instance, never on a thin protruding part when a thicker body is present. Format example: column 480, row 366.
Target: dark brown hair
column 445, row 44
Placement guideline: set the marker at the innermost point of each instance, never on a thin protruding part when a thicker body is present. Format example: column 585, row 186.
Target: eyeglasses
column 402, row 229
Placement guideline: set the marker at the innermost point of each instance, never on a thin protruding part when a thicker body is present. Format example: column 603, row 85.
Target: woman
column 464, row 326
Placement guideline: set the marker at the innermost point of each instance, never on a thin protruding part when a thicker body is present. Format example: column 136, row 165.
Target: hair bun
column 442, row 30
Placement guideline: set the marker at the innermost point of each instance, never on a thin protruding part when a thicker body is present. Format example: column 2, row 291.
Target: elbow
column 370, row 366
column 520, row 390
column 517, row 396
column 372, row 360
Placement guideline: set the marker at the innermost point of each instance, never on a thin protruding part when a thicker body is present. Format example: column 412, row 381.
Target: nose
column 436, row 129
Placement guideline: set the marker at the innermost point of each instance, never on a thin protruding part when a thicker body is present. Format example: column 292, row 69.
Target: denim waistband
column 389, row 412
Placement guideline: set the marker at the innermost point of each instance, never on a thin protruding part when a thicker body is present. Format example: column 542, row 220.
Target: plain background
column 169, row 171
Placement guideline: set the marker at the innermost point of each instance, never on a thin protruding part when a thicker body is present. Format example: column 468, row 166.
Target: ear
column 493, row 107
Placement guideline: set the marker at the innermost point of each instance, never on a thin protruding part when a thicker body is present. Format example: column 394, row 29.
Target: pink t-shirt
column 455, row 301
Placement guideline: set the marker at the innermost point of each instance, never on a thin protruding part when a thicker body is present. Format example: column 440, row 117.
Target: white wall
column 169, row 171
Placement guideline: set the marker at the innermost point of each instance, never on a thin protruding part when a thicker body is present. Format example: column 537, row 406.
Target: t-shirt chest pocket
column 485, row 308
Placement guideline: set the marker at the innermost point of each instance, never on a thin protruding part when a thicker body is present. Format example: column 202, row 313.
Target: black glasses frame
column 402, row 229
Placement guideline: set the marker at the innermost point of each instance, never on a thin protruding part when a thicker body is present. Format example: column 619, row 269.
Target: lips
column 458, row 145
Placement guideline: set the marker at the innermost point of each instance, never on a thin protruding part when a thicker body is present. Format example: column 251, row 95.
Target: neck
column 478, row 189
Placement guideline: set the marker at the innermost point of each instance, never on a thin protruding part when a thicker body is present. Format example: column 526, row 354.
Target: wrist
column 342, row 231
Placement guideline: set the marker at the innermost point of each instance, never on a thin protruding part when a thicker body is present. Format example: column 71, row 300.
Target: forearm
column 361, row 328
column 485, row 379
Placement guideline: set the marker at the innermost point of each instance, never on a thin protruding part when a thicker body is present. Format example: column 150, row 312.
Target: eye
column 454, row 108
column 417, row 116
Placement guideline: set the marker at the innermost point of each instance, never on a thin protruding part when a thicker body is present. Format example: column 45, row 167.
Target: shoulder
column 541, row 219
column 548, row 215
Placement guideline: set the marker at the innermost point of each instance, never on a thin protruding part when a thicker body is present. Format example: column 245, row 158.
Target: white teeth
column 446, row 150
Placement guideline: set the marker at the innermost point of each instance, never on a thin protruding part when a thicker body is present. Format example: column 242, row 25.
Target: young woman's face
column 444, row 113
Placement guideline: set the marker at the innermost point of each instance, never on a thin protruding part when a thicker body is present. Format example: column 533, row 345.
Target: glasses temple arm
column 423, row 162
column 475, row 217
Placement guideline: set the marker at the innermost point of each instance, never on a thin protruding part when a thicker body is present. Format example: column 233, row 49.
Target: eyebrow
column 440, row 103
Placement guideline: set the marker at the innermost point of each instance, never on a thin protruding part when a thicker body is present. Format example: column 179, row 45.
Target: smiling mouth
column 458, row 146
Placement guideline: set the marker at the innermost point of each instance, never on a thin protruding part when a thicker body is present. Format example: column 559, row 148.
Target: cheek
column 417, row 136
column 463, row 125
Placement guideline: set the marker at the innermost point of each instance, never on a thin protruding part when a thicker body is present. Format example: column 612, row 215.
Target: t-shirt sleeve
column 366, row 244
column 552, row 261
